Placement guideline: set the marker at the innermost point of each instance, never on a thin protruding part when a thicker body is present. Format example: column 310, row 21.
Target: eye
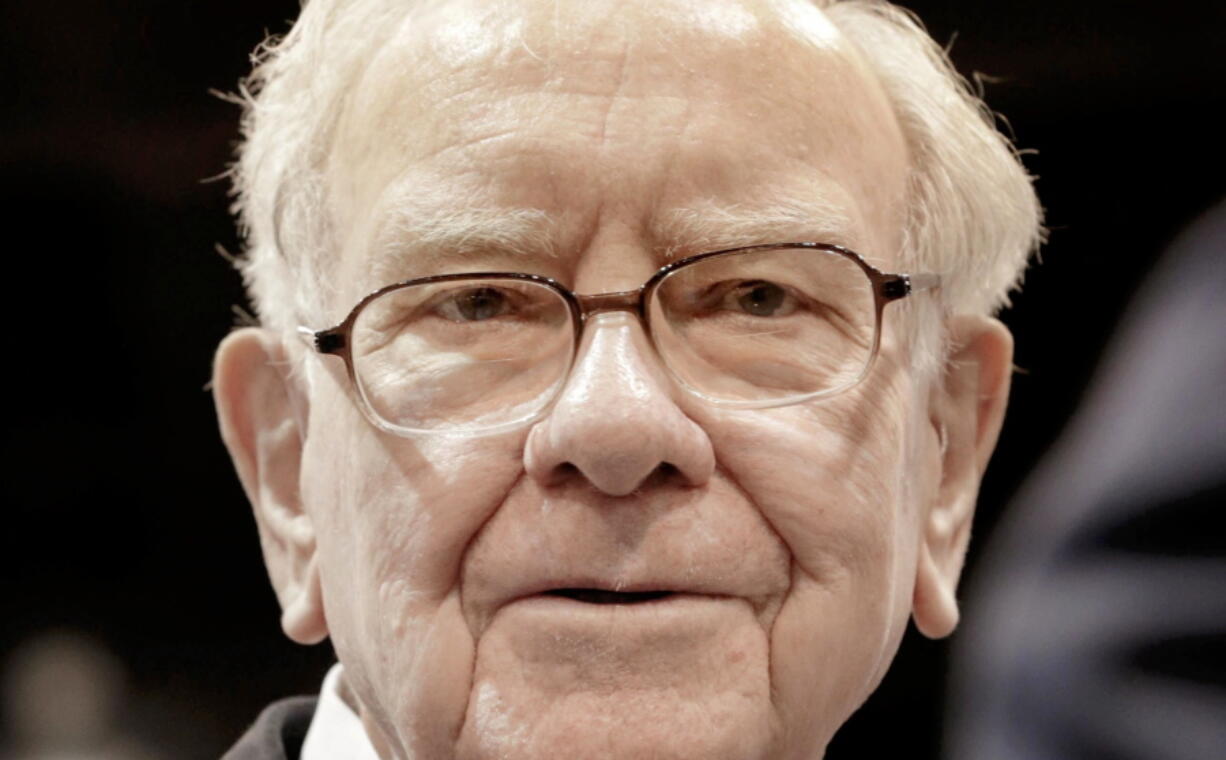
column 759, row 298
column 474, row 305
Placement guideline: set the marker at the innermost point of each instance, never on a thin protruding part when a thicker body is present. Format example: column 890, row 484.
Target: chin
column 685, row 676
column 617, row 726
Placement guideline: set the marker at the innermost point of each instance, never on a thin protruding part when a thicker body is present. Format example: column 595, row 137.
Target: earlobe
column 966, row 410
column 255, row 408
column 302, row 610
column 935, row 606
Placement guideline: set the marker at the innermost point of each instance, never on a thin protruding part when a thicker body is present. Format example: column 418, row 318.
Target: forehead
column 574, row 114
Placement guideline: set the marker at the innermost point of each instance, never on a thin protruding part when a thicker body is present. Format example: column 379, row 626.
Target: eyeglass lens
column 747, row 326
column 758, row 325
column 462, row 354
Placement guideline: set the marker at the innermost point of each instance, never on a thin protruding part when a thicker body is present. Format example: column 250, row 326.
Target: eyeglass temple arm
column 923, row 281
column 896, row 286
column 323, row 341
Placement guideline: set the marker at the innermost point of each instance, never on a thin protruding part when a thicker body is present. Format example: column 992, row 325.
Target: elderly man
column 627, row 368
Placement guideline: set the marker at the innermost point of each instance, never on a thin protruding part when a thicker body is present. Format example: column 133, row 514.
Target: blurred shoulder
column 278, row 733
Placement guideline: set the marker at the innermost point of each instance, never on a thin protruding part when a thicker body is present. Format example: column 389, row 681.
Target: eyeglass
column 752, row 327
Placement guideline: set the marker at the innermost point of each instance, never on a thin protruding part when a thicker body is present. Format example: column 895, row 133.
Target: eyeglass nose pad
column 622, row 338
column 616, row 419
column 636, row 360
column 683, row 394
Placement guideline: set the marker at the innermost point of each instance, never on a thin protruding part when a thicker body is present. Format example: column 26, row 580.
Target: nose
column 616, row 422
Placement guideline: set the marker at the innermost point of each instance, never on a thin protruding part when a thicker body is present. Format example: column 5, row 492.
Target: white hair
column 972, row 212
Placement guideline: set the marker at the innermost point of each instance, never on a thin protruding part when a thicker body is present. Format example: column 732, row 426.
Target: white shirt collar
column 336, row 732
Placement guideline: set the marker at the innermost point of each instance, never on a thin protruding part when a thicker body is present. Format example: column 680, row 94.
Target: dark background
column 121, row 516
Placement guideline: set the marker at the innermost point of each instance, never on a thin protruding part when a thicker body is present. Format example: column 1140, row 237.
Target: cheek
column 831, row 479
column 393, row 518
column 406, row 508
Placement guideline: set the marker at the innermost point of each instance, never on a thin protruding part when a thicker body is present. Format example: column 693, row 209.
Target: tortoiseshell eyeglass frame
column 886, row 287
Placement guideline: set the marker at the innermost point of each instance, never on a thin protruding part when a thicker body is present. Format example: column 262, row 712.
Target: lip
column 551, row 586
column 567, row 589
column 601, row 596
column 645, row 598
column 676, row 613
column 556, row 598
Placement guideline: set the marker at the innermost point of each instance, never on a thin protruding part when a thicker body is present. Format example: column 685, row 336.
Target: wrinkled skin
column 801, row 538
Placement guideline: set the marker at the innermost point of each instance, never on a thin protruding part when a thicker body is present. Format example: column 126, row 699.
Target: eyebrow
column 416, row 239
column 412, row 240
column 711, row 226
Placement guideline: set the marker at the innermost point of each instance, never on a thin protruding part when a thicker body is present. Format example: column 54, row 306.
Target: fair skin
column 796, row 542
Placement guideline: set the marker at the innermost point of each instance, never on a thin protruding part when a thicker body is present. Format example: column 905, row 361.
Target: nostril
column 564, row 472
column 664, row 473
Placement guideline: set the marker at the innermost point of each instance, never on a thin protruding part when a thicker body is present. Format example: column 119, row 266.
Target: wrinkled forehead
column 461, row 78
column 445, row 48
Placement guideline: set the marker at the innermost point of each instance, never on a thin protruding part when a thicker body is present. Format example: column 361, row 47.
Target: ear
column 255, row 407
column 966, row 408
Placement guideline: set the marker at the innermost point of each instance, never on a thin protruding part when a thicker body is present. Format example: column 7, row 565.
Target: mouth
column 603, row 596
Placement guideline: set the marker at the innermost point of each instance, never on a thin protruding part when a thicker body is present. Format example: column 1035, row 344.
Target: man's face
column 591, row 142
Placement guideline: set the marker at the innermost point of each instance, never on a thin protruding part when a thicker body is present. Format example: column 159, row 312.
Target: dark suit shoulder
column 278, row 733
